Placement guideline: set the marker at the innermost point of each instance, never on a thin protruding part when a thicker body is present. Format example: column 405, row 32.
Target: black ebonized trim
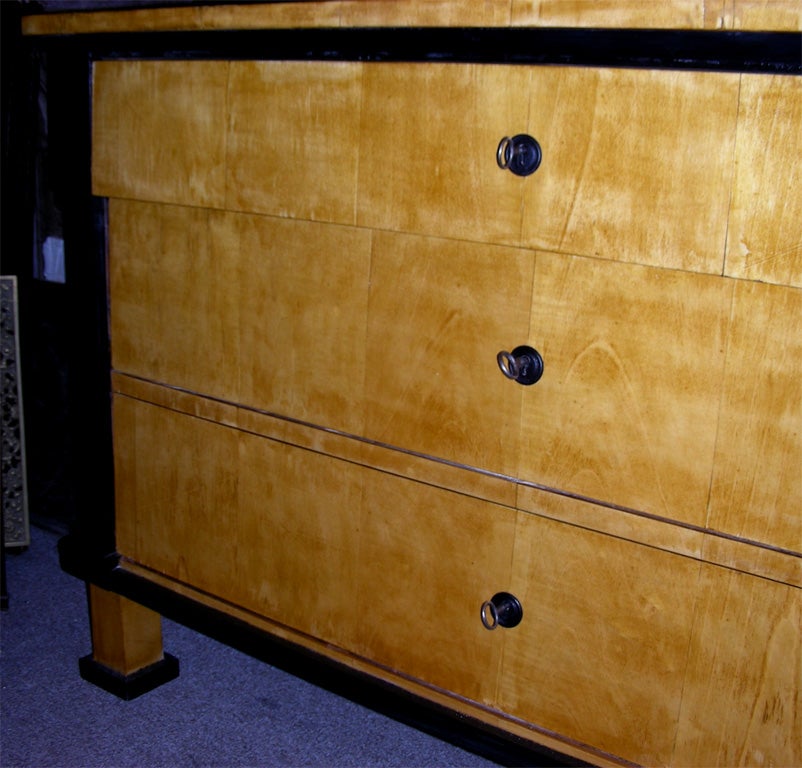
column 131, row 686
column 454, row 727
column 769, row 52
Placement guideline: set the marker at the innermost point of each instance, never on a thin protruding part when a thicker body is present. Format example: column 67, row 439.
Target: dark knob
column 521, row 154
column 523, row 364
column 502, row 610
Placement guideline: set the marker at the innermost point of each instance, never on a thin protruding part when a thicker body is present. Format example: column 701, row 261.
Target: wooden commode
column 315, row 265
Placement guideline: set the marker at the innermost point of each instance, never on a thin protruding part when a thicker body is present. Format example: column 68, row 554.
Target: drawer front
column 174, row 308
column 390, row 569
column 637, row 165
column 244, row 518
column 159, row 131
column 627, row 408
column 765, row 239
column 262, row 311
column 437, row 174
column 741, row 704
column 176, row 493
column 440, row 311
column 600, row 653
column 757, row 481
column 292, row 139
column 429, row 559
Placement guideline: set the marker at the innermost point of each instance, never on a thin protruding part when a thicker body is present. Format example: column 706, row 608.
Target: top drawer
column 637, row 165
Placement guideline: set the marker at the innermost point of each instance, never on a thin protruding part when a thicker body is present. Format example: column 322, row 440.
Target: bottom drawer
column 624, row 650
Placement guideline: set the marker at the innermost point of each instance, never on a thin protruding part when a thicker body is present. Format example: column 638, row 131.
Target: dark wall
column 44, row 328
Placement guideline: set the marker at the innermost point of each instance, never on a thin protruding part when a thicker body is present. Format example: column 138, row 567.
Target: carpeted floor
column 225, row 709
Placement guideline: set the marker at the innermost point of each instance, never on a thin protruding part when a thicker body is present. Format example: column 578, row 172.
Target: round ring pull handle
column 501, row 610
column 521, row 154
column 524, row 365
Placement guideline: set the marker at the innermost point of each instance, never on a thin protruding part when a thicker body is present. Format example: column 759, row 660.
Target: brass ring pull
column 503, row 154
column 501, row 610
column 520, row 154
column 524, row 365
column 508, row 364
column 489, row 615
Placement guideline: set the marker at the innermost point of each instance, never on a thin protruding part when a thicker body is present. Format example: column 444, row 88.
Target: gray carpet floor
column 225, row 709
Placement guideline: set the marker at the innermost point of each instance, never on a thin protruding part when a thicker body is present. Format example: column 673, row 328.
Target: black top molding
column 757, row 52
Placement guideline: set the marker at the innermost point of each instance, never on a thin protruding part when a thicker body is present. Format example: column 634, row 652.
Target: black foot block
column 128, row 687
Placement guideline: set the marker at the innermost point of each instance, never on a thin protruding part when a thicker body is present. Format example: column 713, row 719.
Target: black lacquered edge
column 768, row 52
column 128, row 687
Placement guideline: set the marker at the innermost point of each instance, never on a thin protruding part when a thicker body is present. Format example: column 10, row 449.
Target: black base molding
column 128, row 687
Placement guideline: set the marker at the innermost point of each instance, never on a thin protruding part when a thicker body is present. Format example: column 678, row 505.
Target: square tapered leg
column 127, row 656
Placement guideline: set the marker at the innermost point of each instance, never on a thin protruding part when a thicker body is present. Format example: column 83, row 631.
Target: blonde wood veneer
column 398, row 572
column 174, row 309
column 757, row 479
column 670, row 14
column 676, row 14
column 209, row 301
column 176, row 487
column 159, row 131
column 636, row 164
column 765, row 237
column 437, row 173
column 291, row 147
column 601, row 652
column 303, row 295
column 440, row 311
column 429, row 558
column 741, row 700
column 627, row 408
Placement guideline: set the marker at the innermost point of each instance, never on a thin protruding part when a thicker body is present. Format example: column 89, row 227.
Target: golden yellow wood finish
column 295, row 148
column 159, row 131
column 671, row 14
column 601, row 651
column 303, row 296
column 437, row 173
column 174, row 298
column 428, row 560
column 741, row 703
column 211, row 301
column 603, row 189
column 636, row 165
column 249, row 529
column 757, row 479
column 761, row 14
column 176, row 486
column 661, row 534
column 388, row 568
column 677, row 14
column 126, row 636
column 298, row 528
column 765, row 237
column 627, row 408
column 666, row 391
column 292, row 142
column 440, row 311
